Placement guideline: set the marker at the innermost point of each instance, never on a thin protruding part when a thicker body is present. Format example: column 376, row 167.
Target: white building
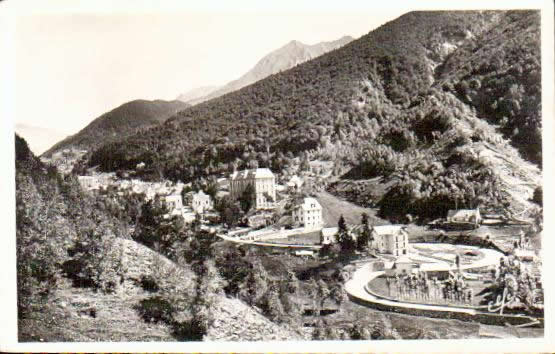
column 174, row 201
column 201, row 202
column 295, row 182
column 89, row 182
column 391, row 239
column 328, row 235
column 263, row 181
column 308, row 214
column 465, row 215
column 402, row 265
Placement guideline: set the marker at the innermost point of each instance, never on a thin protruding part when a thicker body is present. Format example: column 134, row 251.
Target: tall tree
column 344, row 237
column 247, row 198
column 365, row 235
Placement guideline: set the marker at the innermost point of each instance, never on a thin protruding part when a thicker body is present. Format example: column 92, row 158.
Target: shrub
column 155, row 309
column 149, row 284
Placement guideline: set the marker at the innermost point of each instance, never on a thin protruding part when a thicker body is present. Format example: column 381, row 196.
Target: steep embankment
column 80, row 277
column 401, row 103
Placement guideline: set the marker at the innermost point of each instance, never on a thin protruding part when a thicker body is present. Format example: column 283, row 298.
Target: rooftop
column 387, row 229
column 329, row 231
column 403, row 259
column 461, row 213
column 310, row 203
column 252, row 173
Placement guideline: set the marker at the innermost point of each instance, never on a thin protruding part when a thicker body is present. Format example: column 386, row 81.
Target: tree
column 365, row 236
column 256, row 284
column 323, row 293
column 344, row 237
column 247, row 198
column 209, row 286
column 272, row 303
column 338, row 294
column 148, row 229
column 229, row 211
column 341, row 224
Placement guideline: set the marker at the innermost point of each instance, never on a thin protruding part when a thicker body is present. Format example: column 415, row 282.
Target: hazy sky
column 74, row 67
column 76, row 61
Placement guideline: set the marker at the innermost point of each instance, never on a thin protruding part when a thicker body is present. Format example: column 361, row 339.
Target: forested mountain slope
column 286, row 57
column 119, row 123
column 413, row 102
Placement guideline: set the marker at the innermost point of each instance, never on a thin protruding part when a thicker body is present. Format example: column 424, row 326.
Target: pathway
column 269, row 244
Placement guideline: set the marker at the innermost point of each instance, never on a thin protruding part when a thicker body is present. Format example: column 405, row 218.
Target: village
column 284, row 214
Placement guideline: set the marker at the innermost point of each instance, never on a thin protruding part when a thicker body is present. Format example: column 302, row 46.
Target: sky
column 73, row 67
column 75, row 60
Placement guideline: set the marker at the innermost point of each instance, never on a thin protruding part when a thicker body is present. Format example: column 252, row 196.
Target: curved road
column 356, row 286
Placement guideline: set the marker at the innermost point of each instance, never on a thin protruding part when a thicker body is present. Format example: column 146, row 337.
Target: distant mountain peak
column 289, row 55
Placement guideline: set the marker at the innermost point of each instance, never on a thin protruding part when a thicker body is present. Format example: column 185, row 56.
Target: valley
column 284, row 205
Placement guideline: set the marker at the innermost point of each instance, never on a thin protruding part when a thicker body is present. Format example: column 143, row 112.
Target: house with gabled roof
column 390, row 239
column 308, row 214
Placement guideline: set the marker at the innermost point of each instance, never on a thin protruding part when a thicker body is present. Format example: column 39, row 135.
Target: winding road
column 358, row 290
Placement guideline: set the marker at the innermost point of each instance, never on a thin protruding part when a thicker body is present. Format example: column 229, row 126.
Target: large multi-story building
column 391, row 239
column 308, row 214
column 263, row 181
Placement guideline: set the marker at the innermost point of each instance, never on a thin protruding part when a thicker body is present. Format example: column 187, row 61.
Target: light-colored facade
column 465, row 215
column 89, row 182
column 328, row 235
column 402, row 265
column 295, row 182
column 263, row 181
column 201, row 202
column 308, row 214
column 390, row 239
column 174, row 201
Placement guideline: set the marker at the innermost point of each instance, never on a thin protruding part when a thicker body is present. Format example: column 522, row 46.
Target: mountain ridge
column 119, row 122
column 400, row 101
column 283, row 58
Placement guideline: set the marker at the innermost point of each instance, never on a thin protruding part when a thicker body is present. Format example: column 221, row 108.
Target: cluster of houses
column 306, row 213
column 194, row 203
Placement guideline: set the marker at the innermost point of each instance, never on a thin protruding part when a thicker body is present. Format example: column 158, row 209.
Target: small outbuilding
column 465, row 216
column 328, row 235
column 402, row 265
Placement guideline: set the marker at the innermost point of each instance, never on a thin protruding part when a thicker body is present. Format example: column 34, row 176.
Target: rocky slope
column 286, row 57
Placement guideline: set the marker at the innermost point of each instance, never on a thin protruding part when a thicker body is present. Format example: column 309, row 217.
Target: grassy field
column 333, row 207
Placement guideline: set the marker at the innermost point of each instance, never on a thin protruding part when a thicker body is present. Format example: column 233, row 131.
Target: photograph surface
column 279, row 176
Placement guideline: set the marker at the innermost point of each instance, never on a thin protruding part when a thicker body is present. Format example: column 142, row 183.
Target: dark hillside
column 119, row 123
column 80, row 276
column 387, row 105
column 499, row 74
